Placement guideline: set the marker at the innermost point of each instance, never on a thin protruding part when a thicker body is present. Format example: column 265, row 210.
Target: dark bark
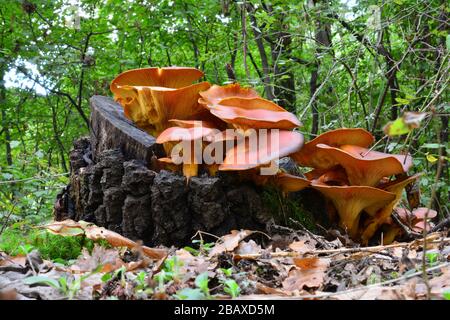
column 113, row 184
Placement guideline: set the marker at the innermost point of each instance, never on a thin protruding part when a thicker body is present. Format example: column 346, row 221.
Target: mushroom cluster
column 356, row 180
column 209, row 128
column 216, row 128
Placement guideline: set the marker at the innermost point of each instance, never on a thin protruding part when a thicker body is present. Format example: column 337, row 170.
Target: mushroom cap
column 170, row 77
column 335, row 176
column 242, row 157
column 367, row 170
column 290, row 183
column 215, row 94
column 191, row 123
column 379, row 216
column 350, row 201
column 420, row 213
column 311, row 156
column 156, row 105
column 174, row 134
column 152, row 96
column 254, row 113
column 366, row 154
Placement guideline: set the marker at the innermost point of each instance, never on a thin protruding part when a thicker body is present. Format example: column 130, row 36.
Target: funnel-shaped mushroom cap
column 350, row 201
column 150, row 97
column 174, row 134
column 254, row 113
column 335, row 176
column 276, row 144
column 290, row 183
column 311, row 156
column 213, row 95
column 154, row 106
column 364, row 153
column 169, row 77
column 378, row 217
column 365, row 170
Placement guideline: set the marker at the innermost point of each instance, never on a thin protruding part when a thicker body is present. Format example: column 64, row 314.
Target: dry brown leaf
column 107, row 258
column 230, row 241
column 311, row 274
column 306, row 263
column 441, row 283
column 8, row 260
column 263, row 289
column 248, row 247
column 302, row 246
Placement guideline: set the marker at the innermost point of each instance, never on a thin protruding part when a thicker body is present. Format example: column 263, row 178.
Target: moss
column 284, row 208
column 15, row 241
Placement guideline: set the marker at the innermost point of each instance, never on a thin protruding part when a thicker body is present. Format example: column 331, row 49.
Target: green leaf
column 232, row 288
column 106, row 277
column 397, row 127
column 446, row 295
column 42, row 280
column 403, row 101
column 202, row 281
column 190, row 294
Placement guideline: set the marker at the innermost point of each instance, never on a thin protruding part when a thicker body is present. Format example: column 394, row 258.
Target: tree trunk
column 113, row 184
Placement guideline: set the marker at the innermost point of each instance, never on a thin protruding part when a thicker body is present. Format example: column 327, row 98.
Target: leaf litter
column 244, row 264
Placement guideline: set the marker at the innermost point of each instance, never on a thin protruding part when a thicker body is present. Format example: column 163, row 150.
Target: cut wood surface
column 110, row 129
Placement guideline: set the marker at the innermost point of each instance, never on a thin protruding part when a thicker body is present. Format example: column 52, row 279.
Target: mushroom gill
column 379, row 216
column 366, row 169
column 311, row 156
column 350, row 201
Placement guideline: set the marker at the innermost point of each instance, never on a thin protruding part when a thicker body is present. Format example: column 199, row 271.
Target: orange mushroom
column 215, row 94
column 255, row 113
column 379, row 216
column 350, row 201
column 194, row 136
column 335, row 176
column 246, row 156
column 289, row 183
column 244, row 109
column 152, row 96
column 311, row 156
column 366, row 169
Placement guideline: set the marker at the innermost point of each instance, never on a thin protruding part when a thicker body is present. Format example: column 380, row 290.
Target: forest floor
column 244, row 264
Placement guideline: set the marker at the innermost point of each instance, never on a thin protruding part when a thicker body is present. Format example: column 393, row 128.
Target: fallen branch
column 430, row 239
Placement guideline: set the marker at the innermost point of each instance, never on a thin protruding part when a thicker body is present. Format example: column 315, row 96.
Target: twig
column 312, row 235
column 374, row 249
column 407, row 276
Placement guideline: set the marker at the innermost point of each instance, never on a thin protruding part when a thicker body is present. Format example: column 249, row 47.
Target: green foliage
column 20, row 240
column 232, row 288
column 68, row 287
column 201, row 292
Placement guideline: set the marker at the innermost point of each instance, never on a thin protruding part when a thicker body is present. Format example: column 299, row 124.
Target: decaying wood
column 113, row 185
column 111, row 130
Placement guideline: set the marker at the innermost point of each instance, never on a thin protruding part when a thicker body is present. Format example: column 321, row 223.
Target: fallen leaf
column 107, row 258
column 230, row 241
column 302, row 246
column 248, row 247
column 311, row 274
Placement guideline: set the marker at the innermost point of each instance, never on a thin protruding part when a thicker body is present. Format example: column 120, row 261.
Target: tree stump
column 113, row 184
